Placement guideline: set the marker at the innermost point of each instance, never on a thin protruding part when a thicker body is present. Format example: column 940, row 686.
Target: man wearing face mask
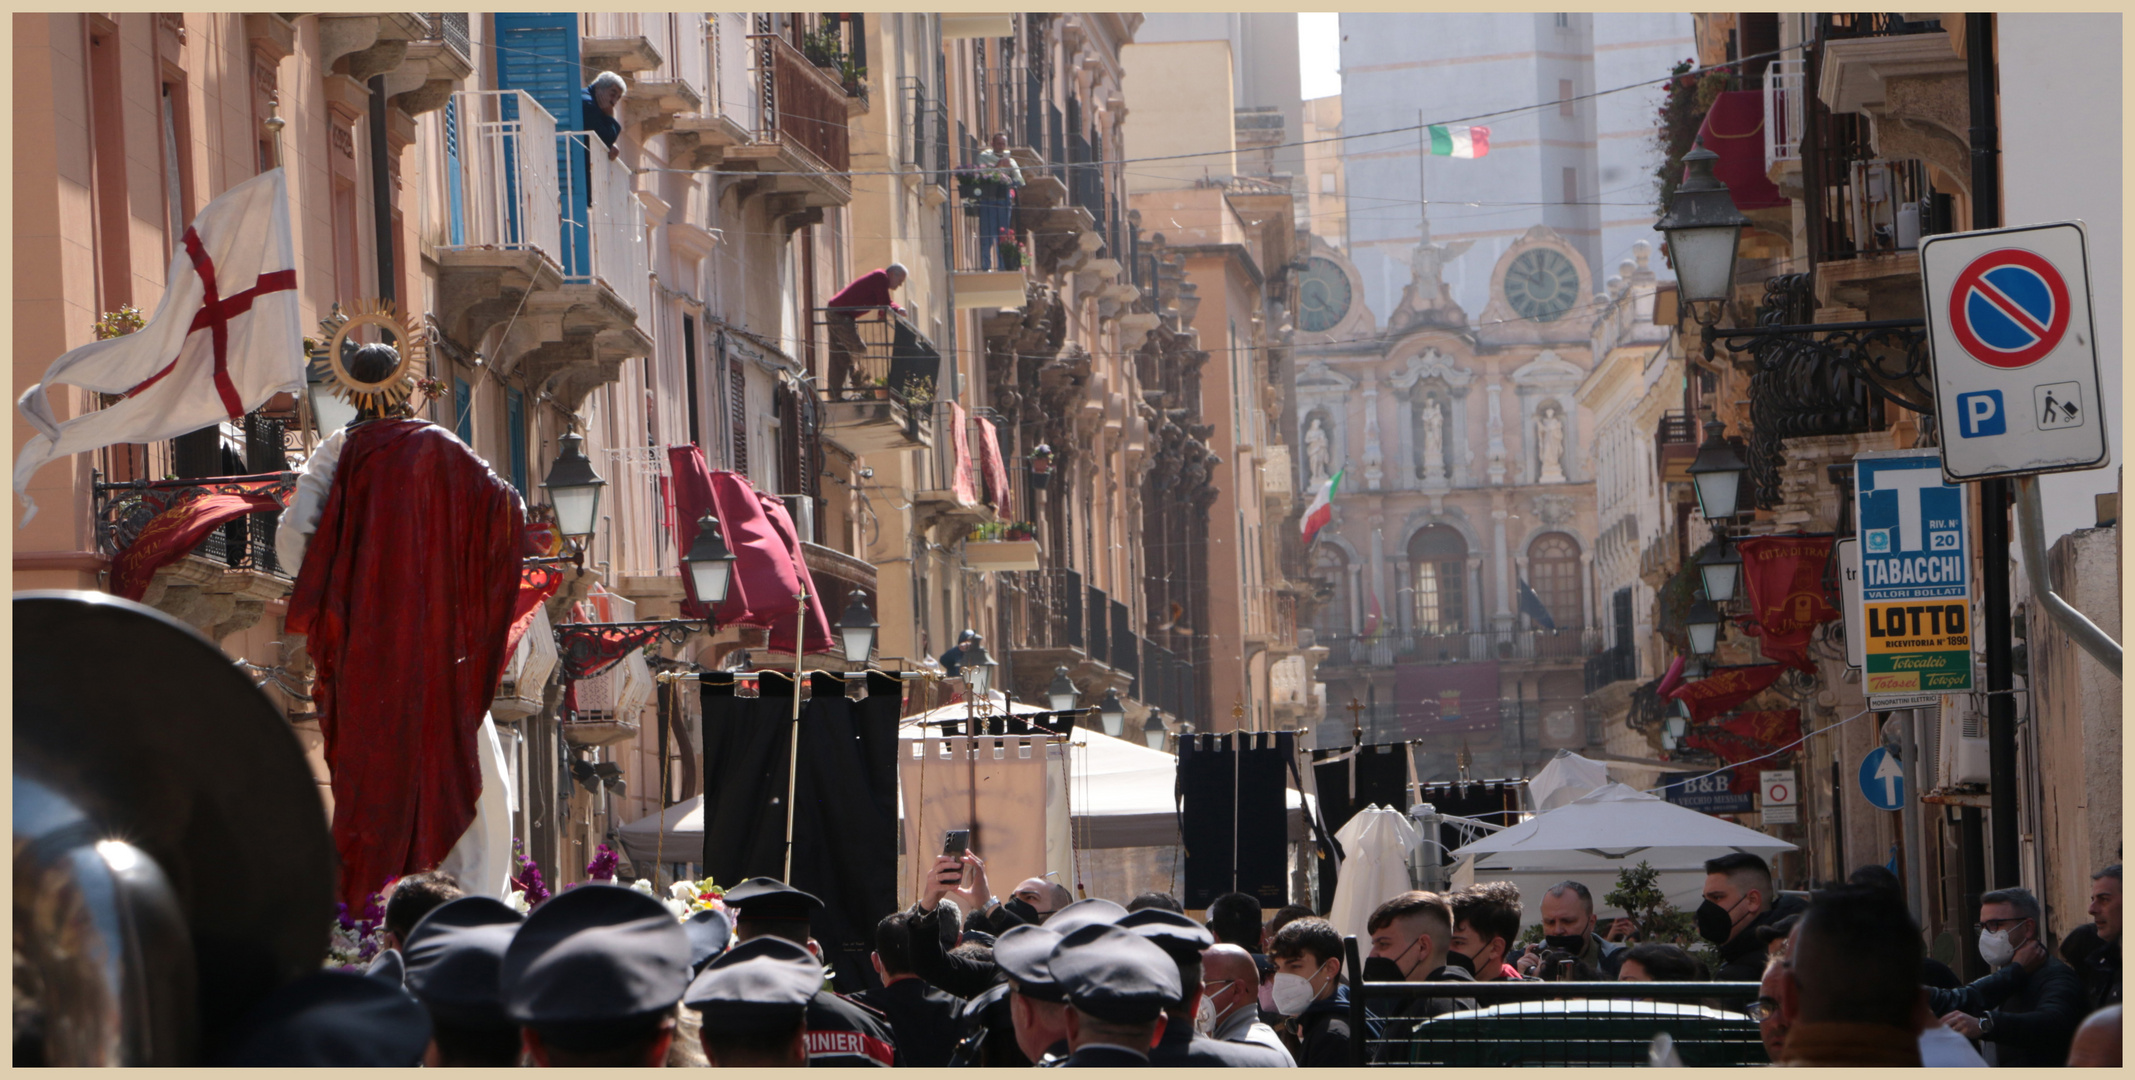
column 1230, row 1000
column 1739, row 898
column 1486, row 921
column 2030, row 1007
column 1411, row 941
column 1568, row 927
column 1308, row 988
column 1186, row 1042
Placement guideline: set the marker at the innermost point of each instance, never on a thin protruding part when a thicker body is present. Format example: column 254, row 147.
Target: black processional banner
column 1350, row 781
column 845, row 803
column 1494, row 801
column 1233, row 817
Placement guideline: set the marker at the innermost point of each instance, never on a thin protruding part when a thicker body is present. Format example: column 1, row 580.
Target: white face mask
column 1293, row 993
column 1995, row 949
column 1205, row 1020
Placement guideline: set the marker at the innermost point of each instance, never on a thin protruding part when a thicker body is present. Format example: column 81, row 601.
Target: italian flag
column 1467, row 142
column 1322, row 509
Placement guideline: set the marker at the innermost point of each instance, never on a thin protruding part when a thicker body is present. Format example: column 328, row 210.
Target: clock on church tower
column 1323, row 296
column 1541, row 284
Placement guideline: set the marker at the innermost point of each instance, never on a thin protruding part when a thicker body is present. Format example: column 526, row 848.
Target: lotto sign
column 2016, row 360
column 1915, row 577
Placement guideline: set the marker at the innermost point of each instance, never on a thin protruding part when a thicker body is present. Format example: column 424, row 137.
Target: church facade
column 1455, row 581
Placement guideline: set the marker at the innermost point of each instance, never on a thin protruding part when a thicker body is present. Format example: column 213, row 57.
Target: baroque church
column 1455, row 582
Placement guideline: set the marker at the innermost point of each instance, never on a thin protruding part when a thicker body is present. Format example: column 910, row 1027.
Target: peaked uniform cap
column 1115, row 974
column 595, row 953
column 454, row 957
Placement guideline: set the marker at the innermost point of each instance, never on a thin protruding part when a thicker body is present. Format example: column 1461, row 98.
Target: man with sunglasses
column 2028, row 1009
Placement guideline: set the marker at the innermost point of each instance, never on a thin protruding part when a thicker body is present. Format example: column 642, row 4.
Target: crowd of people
column 605, row 975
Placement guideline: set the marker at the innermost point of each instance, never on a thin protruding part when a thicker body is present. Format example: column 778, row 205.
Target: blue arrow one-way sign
column 1882, row 780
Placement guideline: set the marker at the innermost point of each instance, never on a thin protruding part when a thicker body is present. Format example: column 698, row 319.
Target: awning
column 1734, row 129
column 768, row 567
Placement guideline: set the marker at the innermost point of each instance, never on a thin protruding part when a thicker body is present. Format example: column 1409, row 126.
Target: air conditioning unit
column 1961, row 737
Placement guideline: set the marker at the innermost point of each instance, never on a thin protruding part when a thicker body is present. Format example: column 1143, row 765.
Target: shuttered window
column 538, row 53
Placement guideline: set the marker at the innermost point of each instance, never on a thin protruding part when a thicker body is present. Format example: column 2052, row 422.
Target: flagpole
column 793, row 743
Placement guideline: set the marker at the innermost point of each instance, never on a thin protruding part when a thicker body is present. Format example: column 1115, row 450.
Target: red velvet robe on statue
column 406, row 594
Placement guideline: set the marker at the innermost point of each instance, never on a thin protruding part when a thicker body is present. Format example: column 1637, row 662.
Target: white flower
column 642, row 886
column 680, row 909
column 685, row 891
column 517, row 899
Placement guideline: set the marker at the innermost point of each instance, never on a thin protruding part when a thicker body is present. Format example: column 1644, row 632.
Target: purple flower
column 602, row 868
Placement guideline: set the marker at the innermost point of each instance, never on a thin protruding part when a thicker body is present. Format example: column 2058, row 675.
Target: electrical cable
column 1761, row 757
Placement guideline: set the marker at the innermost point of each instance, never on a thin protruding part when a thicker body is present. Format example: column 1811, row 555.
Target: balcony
column 800, row 146
column 1051, row 619
column 223, row 585
column 880, row 403
column 949, row 489
column 1613, row 665
column 434, row 65
column 1391, row 648
column 1675, row 443
column 546, row 239
column 1783, row 115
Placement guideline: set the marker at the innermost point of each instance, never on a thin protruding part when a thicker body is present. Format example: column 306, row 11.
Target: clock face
column 1541, row 284
column 1323, row 296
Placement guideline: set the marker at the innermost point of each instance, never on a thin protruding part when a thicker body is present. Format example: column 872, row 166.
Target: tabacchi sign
column 1916, row 579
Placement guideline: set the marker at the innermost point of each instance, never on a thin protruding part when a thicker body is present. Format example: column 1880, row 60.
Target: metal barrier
column 1548, row 1023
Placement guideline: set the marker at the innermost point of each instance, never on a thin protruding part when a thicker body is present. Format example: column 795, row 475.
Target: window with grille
column 1553, row 573
column 1438, row 557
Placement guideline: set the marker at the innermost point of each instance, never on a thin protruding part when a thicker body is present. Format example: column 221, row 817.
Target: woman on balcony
column 597, row 106
column 999, row 176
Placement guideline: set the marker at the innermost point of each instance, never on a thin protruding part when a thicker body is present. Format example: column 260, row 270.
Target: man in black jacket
column 2029, row 1008
column 1739, row 898
column 2101, row 969
column 1182, row 939
column 923, row 1019
column 1308, row 988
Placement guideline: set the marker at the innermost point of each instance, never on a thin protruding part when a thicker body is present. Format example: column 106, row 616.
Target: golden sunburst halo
column 385, row 395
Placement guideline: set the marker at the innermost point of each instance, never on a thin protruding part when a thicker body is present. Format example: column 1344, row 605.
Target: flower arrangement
column 526, row 880
column 1021, row 530
column 1011, row 251
column 602, row 868
column 120, row 323
column 429, row 388
column 1041, row 459
column 357, row 939
column 1689, row 96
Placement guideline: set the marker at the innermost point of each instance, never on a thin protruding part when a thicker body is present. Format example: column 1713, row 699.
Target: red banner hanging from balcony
column 1435, row 698
column 995, row 472
column 1726, row 688
column 962, row 483
column 1734, row 129
column 1750, row 739
column 169, row 535
column 1784, row 579
column 536, row 585
column 768, row 569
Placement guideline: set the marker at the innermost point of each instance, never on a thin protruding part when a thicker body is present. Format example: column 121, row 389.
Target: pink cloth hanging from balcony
column 1734, row 129
column 962, row 483
column 996, row 473
column 768, row 567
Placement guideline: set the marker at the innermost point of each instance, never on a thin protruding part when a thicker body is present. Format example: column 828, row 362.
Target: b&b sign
column 1713, row 794
column 1915, row 577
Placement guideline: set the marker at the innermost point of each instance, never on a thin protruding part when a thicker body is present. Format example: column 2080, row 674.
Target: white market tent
column 1592, row 838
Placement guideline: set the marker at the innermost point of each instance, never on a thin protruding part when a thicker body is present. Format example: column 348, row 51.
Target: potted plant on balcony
column 1020, row 530
column 1010, row 250
column 995, row 546
column 853, row 76
column 1041, row 466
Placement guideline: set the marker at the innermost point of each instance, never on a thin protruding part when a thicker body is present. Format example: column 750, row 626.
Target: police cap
column 770, row 898
column 595, row 955
column 1115, row 974
column 332, row 1018
column 453, row 958
column 1170, row 931
column 1021, row 954
column 710, row 932
column 760, row 982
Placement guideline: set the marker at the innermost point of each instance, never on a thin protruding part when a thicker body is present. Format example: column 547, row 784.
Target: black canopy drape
column 1234, row 820
column 845, row 802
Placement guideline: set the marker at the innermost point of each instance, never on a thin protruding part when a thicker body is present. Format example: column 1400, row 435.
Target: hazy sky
column 1319, row 53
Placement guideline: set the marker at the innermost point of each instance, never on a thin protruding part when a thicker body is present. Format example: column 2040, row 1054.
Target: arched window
column 1553, row 573
column 1438, row 558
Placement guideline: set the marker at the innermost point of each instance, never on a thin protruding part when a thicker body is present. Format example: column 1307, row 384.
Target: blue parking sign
column 1980, row 413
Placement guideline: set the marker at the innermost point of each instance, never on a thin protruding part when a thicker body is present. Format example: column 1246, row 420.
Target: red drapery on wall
column 1726, row 688
column 169, row 535
column 964, row 483
column 1734, row 129
column 769, row 569
column 407, row 595
column 1784, row 578
column 996, row 472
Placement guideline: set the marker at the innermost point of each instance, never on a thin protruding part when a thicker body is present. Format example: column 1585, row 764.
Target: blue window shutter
column 455, row 193
column 463, row 410
column 538, row 52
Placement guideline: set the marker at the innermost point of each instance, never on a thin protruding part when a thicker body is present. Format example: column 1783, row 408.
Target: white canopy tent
column 1593, row 837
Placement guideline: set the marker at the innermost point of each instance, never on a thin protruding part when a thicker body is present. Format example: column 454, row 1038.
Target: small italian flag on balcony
column 1322, row 509
column 1467, row 142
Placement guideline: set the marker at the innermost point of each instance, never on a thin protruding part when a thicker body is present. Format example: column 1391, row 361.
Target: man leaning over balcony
column 597, row 105
column 868, row 292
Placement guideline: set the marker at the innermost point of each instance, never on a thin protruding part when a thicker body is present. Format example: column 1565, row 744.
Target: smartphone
column 956, row 842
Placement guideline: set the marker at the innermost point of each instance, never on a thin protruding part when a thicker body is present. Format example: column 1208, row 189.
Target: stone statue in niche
column 1319, row 460
column 1549, row 443
column 1432, row 420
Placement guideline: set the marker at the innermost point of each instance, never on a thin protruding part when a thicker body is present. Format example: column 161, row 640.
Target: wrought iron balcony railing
column 803, row 105
column 893, row 359
column 122, row 509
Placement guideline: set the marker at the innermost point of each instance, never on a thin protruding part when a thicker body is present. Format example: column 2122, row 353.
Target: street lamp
column 978, row 670
column 1153, row 731
column 1703, row 227
column 1061, row 693
column 858, row 627
column 328, row 412
column 1677, row 726
column 1703, row 623
column 1720, row 568
column 1113, row 714
column 710, row 563
column 1717, row 473
column 574, row 488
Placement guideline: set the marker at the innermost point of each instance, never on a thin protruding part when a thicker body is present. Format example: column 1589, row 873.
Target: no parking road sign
column 2016, row 359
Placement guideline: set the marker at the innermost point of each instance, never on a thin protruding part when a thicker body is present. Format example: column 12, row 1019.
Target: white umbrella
column 674, row 835
column 1567, row 776
column 1594, row 837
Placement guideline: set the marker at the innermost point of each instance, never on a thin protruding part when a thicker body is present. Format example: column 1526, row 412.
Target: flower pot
column 1011, row 258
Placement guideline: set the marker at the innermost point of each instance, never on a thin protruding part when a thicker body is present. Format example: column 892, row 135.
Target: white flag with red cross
column 224, row 339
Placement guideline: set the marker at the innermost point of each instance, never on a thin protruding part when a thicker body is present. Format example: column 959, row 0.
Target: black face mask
column 1462, row 961
column 1715, row 923
column 1571, row 943
column 1382, row 969
column 1016, row 913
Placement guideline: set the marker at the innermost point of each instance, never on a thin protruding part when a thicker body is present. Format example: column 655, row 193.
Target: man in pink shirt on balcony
column 868, row 292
